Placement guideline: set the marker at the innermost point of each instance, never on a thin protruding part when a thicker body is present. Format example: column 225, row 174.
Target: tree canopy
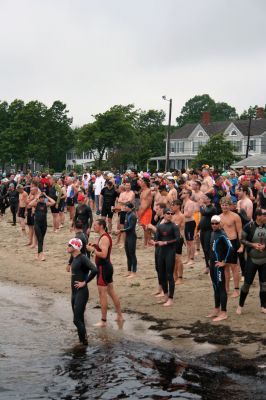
column 194, row 107
column 35, row 132
column 217, row 152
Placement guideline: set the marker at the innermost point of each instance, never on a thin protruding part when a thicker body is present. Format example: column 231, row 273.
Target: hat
column 75, row 243
column 11, row 185
column 167, row 211
column 129, row 204
column 216, row 218
column 81, row 197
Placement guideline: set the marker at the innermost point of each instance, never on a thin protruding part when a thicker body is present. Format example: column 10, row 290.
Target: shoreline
column 184, row 321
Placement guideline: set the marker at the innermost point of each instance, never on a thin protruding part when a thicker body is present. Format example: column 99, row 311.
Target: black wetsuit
column 256, row 260
column 219, row 251
column 84, row 214
column 109, row 197
column 82, row 269
column 131, row 241
column 205, row 229
column 13, row 196
column 156, row 256
column 167, row 232
column 40, row 224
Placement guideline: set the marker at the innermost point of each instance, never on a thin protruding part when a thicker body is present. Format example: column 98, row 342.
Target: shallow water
column 40, row 358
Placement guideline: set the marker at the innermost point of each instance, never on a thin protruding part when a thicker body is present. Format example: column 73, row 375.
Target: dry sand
column 185, row 319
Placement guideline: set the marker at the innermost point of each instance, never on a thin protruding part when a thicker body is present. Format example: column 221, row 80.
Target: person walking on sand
column 82, row 272
column 145, row 210
column 102, row 251
column 23, row 200
column 220, row 248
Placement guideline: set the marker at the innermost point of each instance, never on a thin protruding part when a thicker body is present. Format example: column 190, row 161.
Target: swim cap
column 75, row 243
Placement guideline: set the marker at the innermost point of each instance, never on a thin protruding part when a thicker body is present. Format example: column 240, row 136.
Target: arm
column 104, row 248
column 132, row 221
column 90, row 217
column 50, row 202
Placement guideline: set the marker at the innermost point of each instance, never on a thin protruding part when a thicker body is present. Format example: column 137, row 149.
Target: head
column 42, row 198
column 205, row 172
column 167, row 214
column 20, row 188
column 242, row 192
column 99, row 226
column 159, row 209
column 171, row 183
column 176, row 205
column 127, row 186
column 129, row 206
column 219, row 180
column 186, row 194
column 260, row 216
column 74, row 246
column 216, row 222
column 144, row 183
column 98, row 173
column 34, row 188
column 225, row 204
column 110, row 184
column 196, row 185
column 78, row 226
column 81, row 198
column 11, row 186
column 207, row 199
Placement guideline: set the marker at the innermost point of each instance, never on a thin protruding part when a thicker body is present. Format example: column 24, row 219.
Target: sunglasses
column 215, row 223
column 170, row 213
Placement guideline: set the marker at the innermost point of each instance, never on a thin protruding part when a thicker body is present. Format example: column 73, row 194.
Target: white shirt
column 98, row 185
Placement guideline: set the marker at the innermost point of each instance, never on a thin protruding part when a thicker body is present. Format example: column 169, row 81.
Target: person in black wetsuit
column 130, row 240
column 79, row 234
column 40, row 220
column 254, row 238
column 204, row 228
column 83, row 271
column 13, row 197
column 167, row 235
column 107, row 201
column 84, row 214
column 220, row 248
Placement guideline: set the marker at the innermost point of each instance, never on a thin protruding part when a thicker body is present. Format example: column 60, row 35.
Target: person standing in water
column 82, row 272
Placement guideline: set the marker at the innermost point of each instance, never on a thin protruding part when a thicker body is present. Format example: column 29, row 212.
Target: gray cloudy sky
column 92, row 54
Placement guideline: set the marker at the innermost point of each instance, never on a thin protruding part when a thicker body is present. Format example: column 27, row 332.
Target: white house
column 185, row 141
column 85, row 159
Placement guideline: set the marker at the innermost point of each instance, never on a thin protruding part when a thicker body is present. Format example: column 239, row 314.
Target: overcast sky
column 92, row 54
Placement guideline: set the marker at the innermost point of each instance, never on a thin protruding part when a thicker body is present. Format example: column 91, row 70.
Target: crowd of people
column 224, row 214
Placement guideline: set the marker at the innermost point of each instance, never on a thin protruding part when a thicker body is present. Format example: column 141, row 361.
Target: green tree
column 194, row 107
column 112, row 130
column 4, row 141
column 217, row 152
column 251, row 112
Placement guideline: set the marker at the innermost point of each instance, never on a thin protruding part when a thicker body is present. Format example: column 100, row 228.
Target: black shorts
column 179, row 245
column 190, row 230
column 30, row 218
column 70, row 201
column 61, row 206
column 105, row 274
column 21, row 212
column 107, row 212
column 54, row 210
column 122, row 216
column 232, row 259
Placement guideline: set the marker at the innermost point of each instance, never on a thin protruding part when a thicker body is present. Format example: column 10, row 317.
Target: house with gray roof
column 186, row 140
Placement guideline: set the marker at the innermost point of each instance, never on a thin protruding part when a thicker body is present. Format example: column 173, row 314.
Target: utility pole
column 167, row 147
column 249, row 126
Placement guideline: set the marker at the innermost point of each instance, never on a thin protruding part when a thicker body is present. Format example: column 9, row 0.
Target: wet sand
column 183, row 322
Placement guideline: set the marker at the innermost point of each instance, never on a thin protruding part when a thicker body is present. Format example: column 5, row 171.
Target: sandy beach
column 193, row 299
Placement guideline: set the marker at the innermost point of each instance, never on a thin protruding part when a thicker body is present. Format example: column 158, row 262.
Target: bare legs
column 103, row 291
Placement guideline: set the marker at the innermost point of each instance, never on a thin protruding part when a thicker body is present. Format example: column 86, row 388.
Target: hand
column 56, row 206
column 88, row 231
column 149, row 226
column 161, row 243
column 219, row 264
column 89, row 247
column 68, row 267
column 257, row 246
column 152, row 242
column 197, row 235
column 118, row 232
column 79, row 285
column 241, row 249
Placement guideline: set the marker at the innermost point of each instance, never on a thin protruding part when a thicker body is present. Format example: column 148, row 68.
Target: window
column 172, row 147
column 233, row 133
column 200, row 134
column 252, row 145
column 196, row 145
column 237, row 146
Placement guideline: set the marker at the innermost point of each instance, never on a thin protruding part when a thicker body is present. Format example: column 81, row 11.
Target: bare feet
column 190, row 262
column 206, row 271
column 120, row 318
column 101, row 324
column 132, row 275
column 212, row 315
column 127, row 275
column 239, row 310
column 220, row 317
column 169, row 303
column 263, row 310
column 235, row 294
column 161, row 294
column 179, row 281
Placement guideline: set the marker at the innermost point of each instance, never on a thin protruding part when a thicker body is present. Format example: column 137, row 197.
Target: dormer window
column 200, row 134
column 233, row 133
